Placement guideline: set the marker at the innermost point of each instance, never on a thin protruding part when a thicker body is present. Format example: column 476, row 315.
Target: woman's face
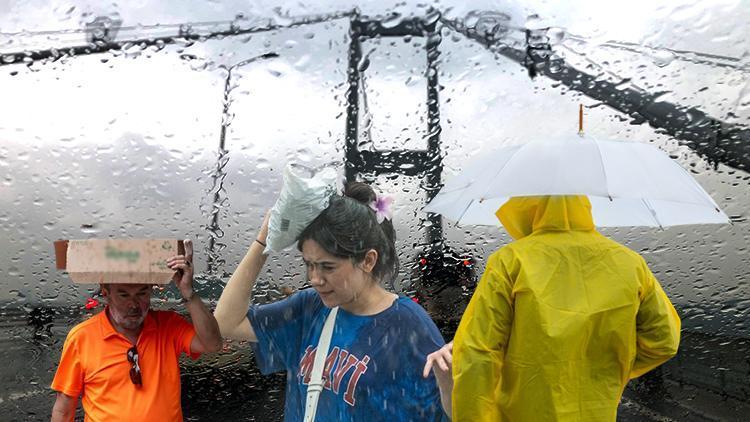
column 338, row 281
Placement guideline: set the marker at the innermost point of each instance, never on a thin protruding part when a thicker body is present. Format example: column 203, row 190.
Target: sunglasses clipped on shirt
column 135, row 370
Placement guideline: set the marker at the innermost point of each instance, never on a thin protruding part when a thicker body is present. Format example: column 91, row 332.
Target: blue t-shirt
column 373, row 370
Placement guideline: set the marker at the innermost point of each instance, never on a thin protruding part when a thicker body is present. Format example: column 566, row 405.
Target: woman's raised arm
column 231, row 311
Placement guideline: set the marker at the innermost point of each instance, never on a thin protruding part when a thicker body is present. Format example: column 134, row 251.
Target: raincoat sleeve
column 479, row 346
column 657, row 327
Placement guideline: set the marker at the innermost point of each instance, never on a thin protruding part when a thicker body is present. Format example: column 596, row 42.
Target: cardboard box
column 140, row 261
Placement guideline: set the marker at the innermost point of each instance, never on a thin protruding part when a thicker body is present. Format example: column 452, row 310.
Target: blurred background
column 175, row 119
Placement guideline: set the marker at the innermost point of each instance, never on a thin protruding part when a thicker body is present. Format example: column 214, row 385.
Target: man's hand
column 183, row 265
column 207, row 337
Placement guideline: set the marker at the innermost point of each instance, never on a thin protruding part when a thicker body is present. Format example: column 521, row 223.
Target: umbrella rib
column 471, row 201
column 652, row 211
column 697, row 188
column 604, row 171
column 462, row 187
column 500, row 170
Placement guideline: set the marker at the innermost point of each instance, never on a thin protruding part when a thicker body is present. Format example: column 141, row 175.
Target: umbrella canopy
column 628, row 184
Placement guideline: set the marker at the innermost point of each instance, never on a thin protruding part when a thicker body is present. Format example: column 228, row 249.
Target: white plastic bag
column 304, row 195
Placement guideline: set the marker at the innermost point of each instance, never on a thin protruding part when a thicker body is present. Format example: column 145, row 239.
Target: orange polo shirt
column 94, row 364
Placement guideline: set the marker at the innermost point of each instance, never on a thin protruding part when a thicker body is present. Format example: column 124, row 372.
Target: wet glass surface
column 186, row 137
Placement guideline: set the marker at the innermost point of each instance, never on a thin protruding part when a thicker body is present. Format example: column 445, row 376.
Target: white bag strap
column 315, row 386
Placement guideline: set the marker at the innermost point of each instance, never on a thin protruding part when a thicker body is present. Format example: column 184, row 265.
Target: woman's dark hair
column 348, row 228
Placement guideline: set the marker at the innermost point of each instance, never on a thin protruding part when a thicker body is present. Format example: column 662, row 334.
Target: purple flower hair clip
column 382, row 207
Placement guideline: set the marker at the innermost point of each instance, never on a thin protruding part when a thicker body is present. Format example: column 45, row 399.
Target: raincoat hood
column 524, row 215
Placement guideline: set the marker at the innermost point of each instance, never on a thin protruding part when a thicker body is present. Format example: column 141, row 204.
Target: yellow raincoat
column 561, row 320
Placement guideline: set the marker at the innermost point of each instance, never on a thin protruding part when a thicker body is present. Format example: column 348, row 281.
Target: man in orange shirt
column 124, row 360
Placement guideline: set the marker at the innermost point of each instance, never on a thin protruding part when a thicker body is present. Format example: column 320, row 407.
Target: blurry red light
column 91, row 303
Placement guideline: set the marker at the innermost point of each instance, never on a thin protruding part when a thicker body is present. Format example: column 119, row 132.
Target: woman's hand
column 441, row 361
column 263, row 232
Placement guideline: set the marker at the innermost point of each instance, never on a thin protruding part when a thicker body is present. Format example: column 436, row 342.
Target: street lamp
column 219, row 175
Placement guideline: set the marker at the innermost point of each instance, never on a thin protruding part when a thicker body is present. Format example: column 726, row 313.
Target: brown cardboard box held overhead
column 141, row 261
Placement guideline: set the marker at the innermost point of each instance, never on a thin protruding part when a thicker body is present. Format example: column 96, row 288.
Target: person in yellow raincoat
column 560, row 321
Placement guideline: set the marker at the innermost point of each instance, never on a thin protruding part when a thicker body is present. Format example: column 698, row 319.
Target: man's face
column 128, row 304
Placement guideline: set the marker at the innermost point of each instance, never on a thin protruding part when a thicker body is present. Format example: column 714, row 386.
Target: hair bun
column 360, row 192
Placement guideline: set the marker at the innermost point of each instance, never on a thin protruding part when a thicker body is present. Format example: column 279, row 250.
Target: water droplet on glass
column 89, row 228
column 662, row 58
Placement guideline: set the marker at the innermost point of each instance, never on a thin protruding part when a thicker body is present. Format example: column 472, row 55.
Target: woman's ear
column 368, row 263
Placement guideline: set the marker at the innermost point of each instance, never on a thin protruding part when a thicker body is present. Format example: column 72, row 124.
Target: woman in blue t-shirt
column 383, row 346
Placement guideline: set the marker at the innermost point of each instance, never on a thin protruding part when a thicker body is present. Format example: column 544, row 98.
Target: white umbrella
column 628, row 184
